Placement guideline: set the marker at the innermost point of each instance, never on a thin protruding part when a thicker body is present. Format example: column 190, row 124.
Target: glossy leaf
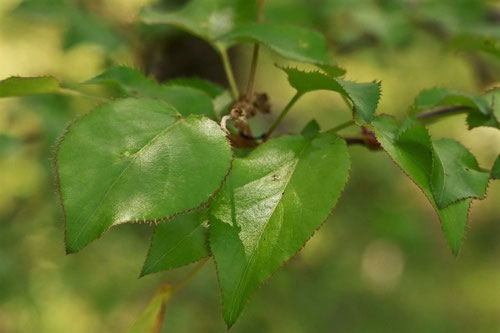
column 294, row 43
column 409, row 145
column 25, row 86
column 364, row 96
column 273, row 201
column 479, row 110
column 136, row 160
column 207, row 19
column 178, row 242
column 151, row 319
column 495, row 171
column 456, row 174
column 131, row 82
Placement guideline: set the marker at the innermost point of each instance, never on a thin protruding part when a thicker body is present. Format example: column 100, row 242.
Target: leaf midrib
column 254, row 251
column 134, row 157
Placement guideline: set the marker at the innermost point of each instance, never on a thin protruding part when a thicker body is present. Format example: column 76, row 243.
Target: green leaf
column 24, row 86
column 151, row 319
column 478, row 108
column 178, row 242
column 311, row 130
column 456, row 174
column 81, row 25
column 495, row 171
column 409, row 145
column 136, row 160
column 294, row 43
column 485, row 44
column 364, row 96
column 221, row 98
column 273, row 201
column 131, row 82
column 207, row 19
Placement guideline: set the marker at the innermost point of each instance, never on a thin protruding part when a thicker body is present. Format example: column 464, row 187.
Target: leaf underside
column 136, row 160
column 178, row 242
column 409, row 145
column 273, row 201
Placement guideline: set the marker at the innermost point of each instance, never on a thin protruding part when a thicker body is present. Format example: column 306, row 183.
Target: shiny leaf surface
column 136, row 160
column 273, row 201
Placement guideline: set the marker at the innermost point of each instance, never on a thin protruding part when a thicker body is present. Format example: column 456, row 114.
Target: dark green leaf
column 151, row 319
column 495, row 171
column 273, row 201
column 136, row 160
column 456, row 174
column 207, row 19
column 294, row 43
column 178, row 242
column 221, row 98
column 409, row 145
column 478, row 108
column 131, row 82
column 311, row 129
column 364, row 96
column 24, row 86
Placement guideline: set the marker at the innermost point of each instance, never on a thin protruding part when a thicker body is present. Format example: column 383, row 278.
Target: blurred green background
column 379, row 264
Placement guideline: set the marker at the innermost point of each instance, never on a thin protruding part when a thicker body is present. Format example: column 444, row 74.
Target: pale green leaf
column 151, row 319
column 178, row 242
column 409, row 145
column 294, row 43
column 456, row 174
column 364, row 96
column 131, row 82
column 136, row 160
column 207, row 19
column 273, row 201
column 25, row 86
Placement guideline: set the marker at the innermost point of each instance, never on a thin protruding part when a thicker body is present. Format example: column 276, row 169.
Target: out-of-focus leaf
column 495, row 171
column 82, row 26
column 294, row 43
column 409, row 145
column 364, row 96
column 207, row 19
column 456, row 174
column 478, row 43
column 478, row 108
column 25, row 86
column 131, row 82
column 178, row 242
column 136, row 160
column 273, row 201
column 151, row 319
